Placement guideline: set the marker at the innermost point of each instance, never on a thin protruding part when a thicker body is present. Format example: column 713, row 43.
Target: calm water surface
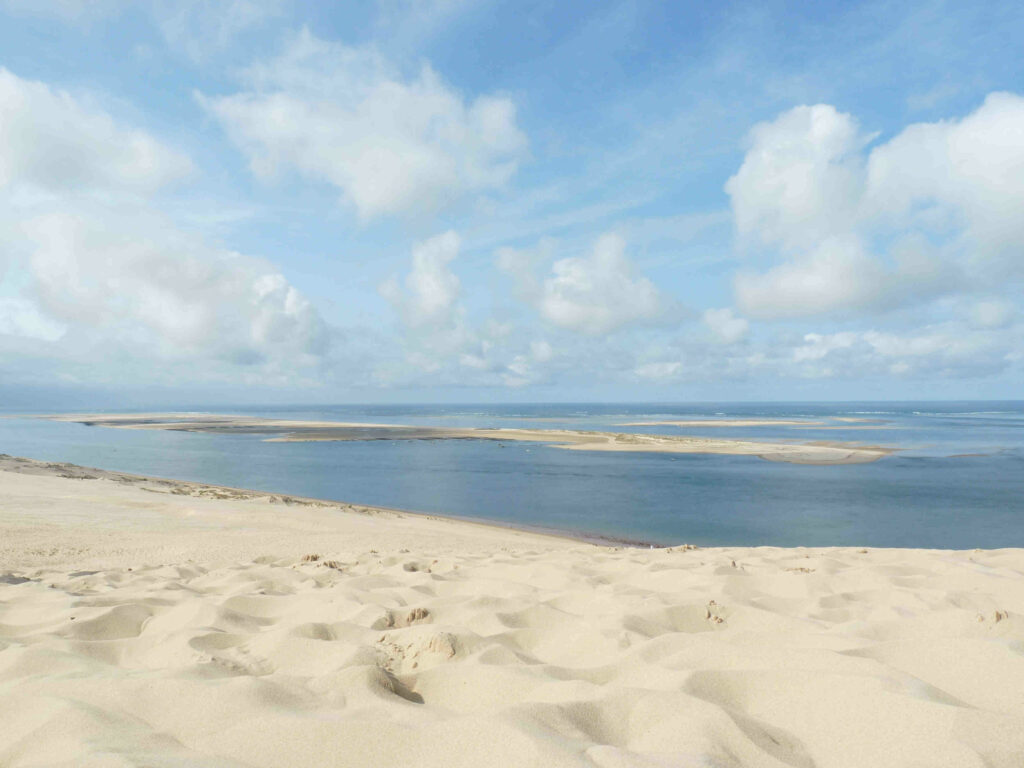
column 957, row 482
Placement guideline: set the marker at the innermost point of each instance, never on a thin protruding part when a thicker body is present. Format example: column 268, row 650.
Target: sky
column 510, row 201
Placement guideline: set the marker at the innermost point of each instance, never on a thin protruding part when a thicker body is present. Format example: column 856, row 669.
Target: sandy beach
column 281, row 430
column 503, row 384
column 160, row 623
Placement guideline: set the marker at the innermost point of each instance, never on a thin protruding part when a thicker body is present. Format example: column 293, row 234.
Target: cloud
column 933, row 210
column 724, row 324
column 801, row 178
column 966, row 175
column 22, row 318
column 390, row 144
column 992, row 313
column 541, row 351
column 435, row 333
column 817, row 346
column 431, row 290
column 658, row 371
column 529, row 367
column 51, row 141
column 439, row 338
column 523, row 265
column 95, row 273
column 836, row 275
column 598, row 293
column 145, row 286
column 943, row 351
column 593, row 294
column 201, row 27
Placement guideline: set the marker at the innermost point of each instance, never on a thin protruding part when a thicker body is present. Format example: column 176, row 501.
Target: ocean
column 956, row 482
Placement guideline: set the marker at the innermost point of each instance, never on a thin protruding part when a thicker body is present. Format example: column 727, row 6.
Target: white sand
column 164, row 624
column 724, row 423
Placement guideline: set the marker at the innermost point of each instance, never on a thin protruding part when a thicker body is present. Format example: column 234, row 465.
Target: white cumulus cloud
column 593, row 294
column 725, row 325
column 598, row 293
column 944, row 351
column 835, row 275
column 852, row 227
column 801, row 178
column 51, row 141
column 430, row 292
column 92, row 267
column 965, row 174
column 154, row 289
column 389, row 143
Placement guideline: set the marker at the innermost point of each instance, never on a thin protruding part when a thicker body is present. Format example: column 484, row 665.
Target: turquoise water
column 957, row 482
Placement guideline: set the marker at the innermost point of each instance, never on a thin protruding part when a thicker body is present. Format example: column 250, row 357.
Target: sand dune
column 278, row 430
column 149, row 622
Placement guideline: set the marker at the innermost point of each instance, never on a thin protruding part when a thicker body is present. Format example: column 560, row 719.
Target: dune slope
column 167, row 624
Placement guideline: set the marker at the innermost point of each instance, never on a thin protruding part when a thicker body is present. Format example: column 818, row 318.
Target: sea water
column 956, row 480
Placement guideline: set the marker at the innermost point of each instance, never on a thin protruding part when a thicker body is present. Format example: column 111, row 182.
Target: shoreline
column 152, row 622
column 67, row 470
column 198, row 489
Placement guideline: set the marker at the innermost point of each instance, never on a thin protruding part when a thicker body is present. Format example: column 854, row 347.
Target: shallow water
column 929, row 494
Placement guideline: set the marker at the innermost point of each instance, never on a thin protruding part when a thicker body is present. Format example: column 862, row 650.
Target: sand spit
column 724, row 423
column 577, row 440
column 141, row 626
column 847, row 423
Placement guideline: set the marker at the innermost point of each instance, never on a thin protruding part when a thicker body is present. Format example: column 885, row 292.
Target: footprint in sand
column 407, row 654
column 396, row 620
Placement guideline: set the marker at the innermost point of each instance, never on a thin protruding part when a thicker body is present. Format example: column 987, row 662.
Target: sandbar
column 577, row 440
column 724, row 423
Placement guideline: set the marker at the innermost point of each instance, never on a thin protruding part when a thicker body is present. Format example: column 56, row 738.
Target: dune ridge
column 160, row 624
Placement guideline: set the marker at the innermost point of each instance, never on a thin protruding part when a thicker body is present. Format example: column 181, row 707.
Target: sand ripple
column 150, row 623
column 588, row 657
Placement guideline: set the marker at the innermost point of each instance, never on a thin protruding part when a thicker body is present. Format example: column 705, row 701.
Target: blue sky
column 456, row 200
